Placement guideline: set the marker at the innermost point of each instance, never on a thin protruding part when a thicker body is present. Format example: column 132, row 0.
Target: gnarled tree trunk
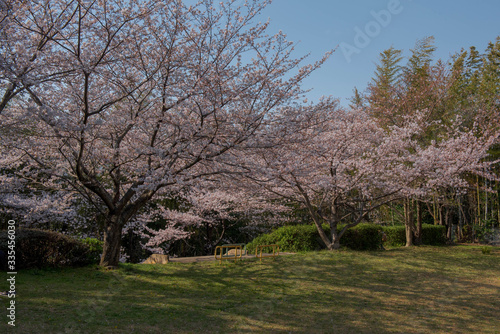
column 335, row 244
column 112, row 242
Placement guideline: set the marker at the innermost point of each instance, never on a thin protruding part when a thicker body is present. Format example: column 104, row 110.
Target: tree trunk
column 408, row 223
column 449, row 224
column 409, row 236
column 478, row 219
column 418, row 233
column 112, row 242
column 323, row 235
column 498, row 202
column 486, row 200
column 436, row 211
column 335, row 244
column 441, row 215
column 461, row 220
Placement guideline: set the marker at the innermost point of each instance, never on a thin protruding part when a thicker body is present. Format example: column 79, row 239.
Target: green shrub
column 296, row 238
column 95, row 249
column 396, row 235
column 264, row 239
column 434, row 235
column 301, row 238
column 486, row 250
column 362, row 237
column 39, row 248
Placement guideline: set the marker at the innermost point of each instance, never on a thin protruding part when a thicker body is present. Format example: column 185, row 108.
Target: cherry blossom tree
column 341, row 165
column 445, row 166
column 125, row 102
column 209, row 209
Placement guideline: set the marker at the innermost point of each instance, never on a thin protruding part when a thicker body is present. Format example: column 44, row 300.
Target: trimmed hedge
column 301, row 238
column 39, row 248
column 363, row 237
column 298, row 238
column 434, row 235
column 396, row 235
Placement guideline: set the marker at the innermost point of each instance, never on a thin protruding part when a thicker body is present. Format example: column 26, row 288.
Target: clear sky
column 361, row 29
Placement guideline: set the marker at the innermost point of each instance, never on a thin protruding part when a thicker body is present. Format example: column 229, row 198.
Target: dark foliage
column 431, row 235
column 301, row 238
column 39, row 248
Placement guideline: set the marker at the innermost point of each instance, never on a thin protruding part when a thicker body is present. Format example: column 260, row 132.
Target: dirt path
column 209, row 258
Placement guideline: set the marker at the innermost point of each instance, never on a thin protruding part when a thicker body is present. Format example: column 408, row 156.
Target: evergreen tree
column 489, row 85
column 382, row 88
column 468, row 88
column 421, row 58
column 357, row 101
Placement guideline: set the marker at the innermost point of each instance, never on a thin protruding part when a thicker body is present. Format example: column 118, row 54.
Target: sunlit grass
column 416, row 290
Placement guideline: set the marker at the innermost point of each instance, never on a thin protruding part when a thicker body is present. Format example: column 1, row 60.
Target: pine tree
column 382, row 88
column 489, row 82
column 421, row 58
column 357, row 101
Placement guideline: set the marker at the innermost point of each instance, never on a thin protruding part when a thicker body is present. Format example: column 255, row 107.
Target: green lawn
column 417, row 290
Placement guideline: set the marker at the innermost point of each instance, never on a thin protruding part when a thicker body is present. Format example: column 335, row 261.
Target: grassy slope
column 416, row 290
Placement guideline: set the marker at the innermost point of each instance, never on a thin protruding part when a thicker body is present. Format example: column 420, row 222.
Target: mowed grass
column 416, row 290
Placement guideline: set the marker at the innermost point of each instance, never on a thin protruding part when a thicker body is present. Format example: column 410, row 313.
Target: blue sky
column 321, row 25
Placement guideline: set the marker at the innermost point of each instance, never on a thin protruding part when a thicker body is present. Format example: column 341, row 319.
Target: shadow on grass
column 420, row 290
